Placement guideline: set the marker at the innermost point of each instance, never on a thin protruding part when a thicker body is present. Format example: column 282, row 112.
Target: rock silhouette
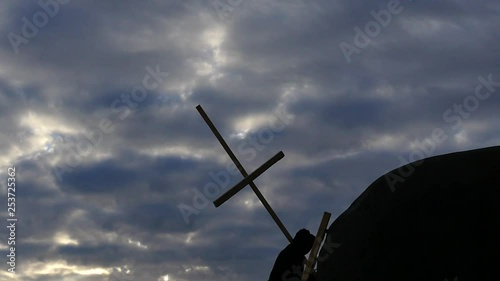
column 434, row 220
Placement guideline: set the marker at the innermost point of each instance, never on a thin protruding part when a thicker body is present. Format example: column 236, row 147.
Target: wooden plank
column 244, row 182
column 220, row 138
column 257, row 192
column 311, row 262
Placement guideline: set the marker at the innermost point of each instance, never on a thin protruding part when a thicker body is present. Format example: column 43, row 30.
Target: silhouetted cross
column 248, row 179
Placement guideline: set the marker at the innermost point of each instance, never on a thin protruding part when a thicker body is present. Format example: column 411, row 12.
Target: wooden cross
column 248, row 179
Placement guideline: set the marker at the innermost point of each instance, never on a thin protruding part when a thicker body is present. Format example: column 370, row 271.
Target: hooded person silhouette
column 289, row 264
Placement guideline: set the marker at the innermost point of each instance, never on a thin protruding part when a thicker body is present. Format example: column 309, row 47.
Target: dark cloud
column 265, row 67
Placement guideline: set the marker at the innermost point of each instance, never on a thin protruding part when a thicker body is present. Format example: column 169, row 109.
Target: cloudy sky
column 115, row 166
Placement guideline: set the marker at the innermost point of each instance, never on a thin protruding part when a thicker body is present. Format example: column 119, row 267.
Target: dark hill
column 442, row 222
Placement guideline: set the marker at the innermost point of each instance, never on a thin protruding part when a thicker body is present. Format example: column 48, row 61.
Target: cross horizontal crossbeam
column 248, row 179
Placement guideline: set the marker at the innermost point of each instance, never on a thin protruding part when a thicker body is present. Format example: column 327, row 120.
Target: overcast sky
column 113, row 161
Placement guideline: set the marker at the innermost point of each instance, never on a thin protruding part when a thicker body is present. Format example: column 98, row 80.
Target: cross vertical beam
column 317, row 242
column 244, row 173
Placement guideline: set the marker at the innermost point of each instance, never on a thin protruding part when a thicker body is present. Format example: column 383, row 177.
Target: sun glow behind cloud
column 61, row 268
column 252, row 122
column 36, row 135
